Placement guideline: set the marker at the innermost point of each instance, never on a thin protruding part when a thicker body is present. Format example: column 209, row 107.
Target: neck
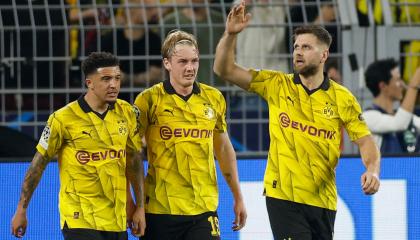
column 182, row 90
column 94, row 103
column 385, row 103
column 314, row 81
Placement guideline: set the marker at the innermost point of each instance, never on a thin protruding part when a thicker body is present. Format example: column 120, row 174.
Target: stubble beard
column 307, row 71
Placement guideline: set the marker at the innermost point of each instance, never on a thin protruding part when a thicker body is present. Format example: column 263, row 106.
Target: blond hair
column 174, row 38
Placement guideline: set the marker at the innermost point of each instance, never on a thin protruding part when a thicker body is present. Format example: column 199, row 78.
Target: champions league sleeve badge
column 136, row 111
column 45, row 136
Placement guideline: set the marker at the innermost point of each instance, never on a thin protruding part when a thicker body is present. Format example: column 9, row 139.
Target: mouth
column 189, row 76
column 299, row 62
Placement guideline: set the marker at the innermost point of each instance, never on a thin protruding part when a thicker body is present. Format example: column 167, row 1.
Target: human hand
column 240, row 215
column 415, row 79
column 237, row 19
column 130, row 209
column 19, row 223
column 138, row 225
column 370, row 183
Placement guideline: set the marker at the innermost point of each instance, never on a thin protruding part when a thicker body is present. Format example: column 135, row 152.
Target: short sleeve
column 51, row 138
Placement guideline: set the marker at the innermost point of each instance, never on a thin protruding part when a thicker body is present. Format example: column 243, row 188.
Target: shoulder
column 342, row 92
column 267, row 74
column 154, row 90
column 126, row 108
column 63, row 114
column 209, row 90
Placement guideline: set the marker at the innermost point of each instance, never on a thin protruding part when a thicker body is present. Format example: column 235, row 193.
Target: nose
column 297, row 53
column 113, row 83
column 190, row 67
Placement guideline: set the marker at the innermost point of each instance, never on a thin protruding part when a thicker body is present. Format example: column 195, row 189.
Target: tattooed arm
column 227, row 161
column 32, row 178
column 135, row 174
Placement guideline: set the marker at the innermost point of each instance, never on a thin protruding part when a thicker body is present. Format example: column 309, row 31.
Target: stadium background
column 40, row 54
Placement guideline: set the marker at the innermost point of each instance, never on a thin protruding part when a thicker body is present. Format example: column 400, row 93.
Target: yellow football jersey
column 92, row 149
column 305, row 136
column 181, row 178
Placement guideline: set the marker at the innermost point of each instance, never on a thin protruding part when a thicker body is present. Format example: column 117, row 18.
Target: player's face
column 105, row 83
column 309, row 55
column 182, row 65
column 394, row 89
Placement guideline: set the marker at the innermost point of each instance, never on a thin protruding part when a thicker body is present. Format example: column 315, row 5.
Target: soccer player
column 183, row 122
column 98, row 146
column 307, row 111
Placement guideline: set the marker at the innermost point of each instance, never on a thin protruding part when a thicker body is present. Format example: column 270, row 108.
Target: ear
column 382, row 84
column 325, row 55
column 166, row 64
column 89, row 83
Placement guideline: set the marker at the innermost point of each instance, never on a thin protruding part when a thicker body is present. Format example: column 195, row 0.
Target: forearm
column 135, row 175
column 32, row 178
column 228, row 166
column 370, row 155
column 225, row 55
column 410, row 99
column 411, row 95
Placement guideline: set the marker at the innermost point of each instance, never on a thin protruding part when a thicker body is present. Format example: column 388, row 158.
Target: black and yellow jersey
column 305, row 132
column 181, row 178
column 92, row 149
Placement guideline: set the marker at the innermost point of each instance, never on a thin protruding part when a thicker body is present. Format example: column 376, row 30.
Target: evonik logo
column 84, row 156
column 167, row 133
column 286, row 122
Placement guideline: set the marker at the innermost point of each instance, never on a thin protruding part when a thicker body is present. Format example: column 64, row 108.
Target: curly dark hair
column 97, row 60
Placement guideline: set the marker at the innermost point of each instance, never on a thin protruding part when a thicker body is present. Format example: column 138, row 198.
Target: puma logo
column 290, row 99
column 87, row 133
column 169, row 111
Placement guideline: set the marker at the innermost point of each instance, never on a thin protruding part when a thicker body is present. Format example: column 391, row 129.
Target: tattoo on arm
column 32, row 178
column 135, row 174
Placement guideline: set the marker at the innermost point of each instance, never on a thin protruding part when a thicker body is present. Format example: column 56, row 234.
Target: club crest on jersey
column 327, row 110
column 122, row 127
column 209, row 112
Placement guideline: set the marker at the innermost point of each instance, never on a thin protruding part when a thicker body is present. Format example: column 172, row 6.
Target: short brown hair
column 319, row 32
column 174, row 38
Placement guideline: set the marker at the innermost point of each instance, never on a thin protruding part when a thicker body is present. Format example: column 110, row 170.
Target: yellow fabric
column 305, row 133
column 181, row 178
column 410, row 12
column 92, row 159
column 411, row 62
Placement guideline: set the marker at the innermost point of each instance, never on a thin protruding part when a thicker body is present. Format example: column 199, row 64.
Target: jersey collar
column 171, row 90
column 325, row 85
column 86, row 108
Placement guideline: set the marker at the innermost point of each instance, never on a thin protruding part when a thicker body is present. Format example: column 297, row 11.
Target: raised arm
column 32, row 178
column 371, row 159
column 224, row 61
column 226, row 156
column 410, row 97
column 135, row 174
